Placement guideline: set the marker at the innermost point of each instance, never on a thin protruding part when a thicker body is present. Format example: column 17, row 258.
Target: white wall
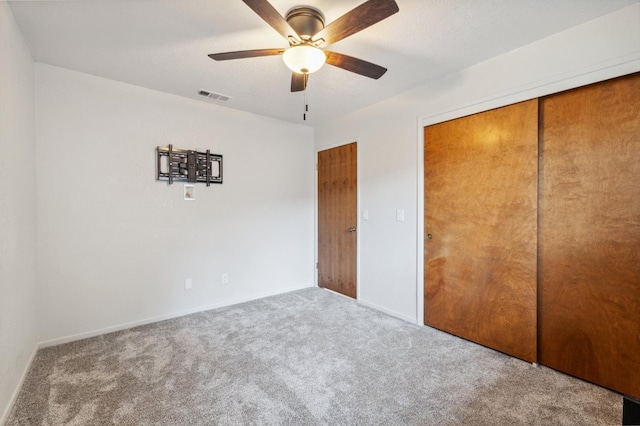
column 390, row 140
column 17, row 210
column 115, row 245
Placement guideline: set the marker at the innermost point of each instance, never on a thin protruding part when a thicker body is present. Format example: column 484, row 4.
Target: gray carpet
column 304, row 358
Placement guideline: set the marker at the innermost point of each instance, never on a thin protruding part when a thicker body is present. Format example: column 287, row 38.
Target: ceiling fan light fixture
column 304, row 59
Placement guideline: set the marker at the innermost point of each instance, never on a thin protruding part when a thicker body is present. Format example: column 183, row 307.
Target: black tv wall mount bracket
column 184, row 165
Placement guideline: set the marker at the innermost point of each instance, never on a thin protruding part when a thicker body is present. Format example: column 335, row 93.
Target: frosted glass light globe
column 304, row 59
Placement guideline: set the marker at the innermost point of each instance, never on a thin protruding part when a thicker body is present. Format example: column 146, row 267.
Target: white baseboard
column 376, row 307
column 16, row 392
column 178, row 314
column 387, row 311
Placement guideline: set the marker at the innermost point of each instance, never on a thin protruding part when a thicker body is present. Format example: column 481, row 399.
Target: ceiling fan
column 304, row 29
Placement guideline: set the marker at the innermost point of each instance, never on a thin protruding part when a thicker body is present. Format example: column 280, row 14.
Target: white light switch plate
column 400, row 215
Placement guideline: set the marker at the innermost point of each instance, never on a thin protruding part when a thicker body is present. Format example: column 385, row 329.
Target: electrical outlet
column 188, row 282
column 225, row 278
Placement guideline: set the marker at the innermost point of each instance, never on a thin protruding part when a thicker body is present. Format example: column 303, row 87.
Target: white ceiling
column 163, row 45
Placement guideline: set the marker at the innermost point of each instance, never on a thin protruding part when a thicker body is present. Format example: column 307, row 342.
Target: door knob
column 352, row 229
column 429, row 236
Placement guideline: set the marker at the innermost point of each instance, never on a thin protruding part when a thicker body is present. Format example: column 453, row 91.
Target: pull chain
column 306, row 107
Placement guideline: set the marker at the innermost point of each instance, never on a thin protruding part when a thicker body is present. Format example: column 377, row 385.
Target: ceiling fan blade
column 270, row 15
column 299, row 82
column 241, row 54
column 355, row 65
column 363, row 16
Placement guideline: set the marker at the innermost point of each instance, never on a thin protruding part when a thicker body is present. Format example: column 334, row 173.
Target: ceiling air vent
column 212, row 95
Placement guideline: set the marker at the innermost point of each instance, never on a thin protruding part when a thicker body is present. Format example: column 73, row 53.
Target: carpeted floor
column 304, row 358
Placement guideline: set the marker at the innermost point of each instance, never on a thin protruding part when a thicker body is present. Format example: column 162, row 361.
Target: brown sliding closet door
column 480, row 221
column 590, row 233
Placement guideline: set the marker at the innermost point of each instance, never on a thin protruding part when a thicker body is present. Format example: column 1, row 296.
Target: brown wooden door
column 480, row 209
column 337, row 219
column 590, row 233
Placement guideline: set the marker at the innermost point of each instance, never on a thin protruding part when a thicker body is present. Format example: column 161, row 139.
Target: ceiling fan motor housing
column 305, row 20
